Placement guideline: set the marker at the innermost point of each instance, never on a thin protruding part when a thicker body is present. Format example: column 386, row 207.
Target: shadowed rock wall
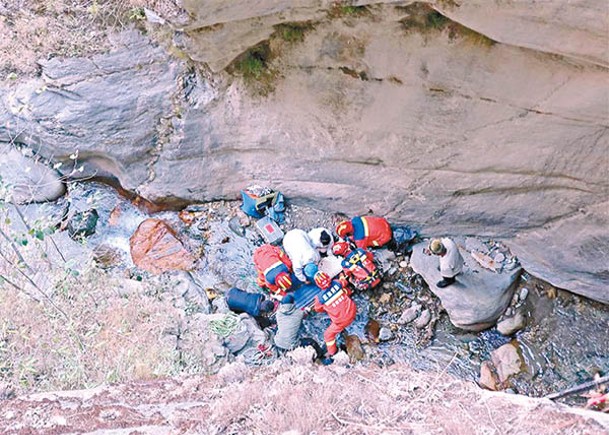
column 391, row 108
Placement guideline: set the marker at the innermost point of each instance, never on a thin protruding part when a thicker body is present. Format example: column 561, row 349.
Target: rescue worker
column 451, row 261
column 322, row 240
column 358, row 265
column 366, row 231
column 273, row 267
column 335, row 301
column 301, row 252
column 289, row 318
column 254, row 304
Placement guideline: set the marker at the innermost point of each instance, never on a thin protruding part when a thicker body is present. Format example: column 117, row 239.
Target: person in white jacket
column 451, row 261
column 298, row 246
column 322, row 240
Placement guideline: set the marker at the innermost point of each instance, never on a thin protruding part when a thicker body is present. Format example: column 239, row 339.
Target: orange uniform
column 336, row 302
column 273, row 267
column 366, row 231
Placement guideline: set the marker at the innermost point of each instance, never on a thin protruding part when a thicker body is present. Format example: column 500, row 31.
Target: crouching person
column 366, row 231
column 254, row 304
column 273, row 268
column 289, row 318
column 336, row 302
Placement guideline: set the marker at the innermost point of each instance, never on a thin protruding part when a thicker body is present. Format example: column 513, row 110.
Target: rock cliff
column 461, row 118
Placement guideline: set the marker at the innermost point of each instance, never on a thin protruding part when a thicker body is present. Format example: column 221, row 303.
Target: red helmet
column 340, row 248
column 323, row 280
column 344, row 229
column 283, row 281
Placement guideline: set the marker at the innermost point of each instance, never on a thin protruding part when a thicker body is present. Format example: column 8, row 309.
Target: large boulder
column 27, row 179
column 478, row 297
column 156, row 248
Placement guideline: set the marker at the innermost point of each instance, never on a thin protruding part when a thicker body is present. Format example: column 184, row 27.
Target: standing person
column 254, row 304
column 366, row 231
column 322, row 240
column 451, row 261
column 301, row 252
column 336, row 302
column 289, row 318
column 273, row 267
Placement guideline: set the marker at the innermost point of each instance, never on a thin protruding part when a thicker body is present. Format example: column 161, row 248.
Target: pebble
column 423, row 319
column 403, row 287
column 499, row 258
column 385, row 334
column 524, row 292
column 403, row 264
column 409, row 314
column 487, row 378
column 511, row 325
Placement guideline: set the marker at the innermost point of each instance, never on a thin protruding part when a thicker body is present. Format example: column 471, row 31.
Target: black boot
column 445, row 282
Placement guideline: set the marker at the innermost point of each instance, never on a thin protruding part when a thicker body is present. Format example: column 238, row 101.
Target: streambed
column 564, row 343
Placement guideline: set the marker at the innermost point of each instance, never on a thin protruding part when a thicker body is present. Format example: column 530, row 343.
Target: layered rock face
column 391, row 107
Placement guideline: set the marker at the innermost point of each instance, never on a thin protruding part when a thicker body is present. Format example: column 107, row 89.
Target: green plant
column 342, row 9
column 253, row 66
column 292, row 32
column 137, row 14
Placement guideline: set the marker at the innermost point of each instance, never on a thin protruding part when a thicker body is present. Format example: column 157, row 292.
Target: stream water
column 565, row 342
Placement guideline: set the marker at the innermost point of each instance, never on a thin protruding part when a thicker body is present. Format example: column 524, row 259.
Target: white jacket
column 298, row 246
column 315, row 236
column 451, row 263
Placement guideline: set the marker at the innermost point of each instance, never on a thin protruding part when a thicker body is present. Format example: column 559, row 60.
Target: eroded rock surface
column 478, row 297
column 387, row 108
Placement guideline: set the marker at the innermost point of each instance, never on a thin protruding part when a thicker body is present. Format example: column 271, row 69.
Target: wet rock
column 522, row 296
column 28, row 180
column 404, row 288
column 488, row 378
column 372, row 329
column 423, row 319
column 155, row 248
column 385, row 334
column 82, row 224
column 478, row 297
column 354, row 348
column 235, row 225
column 409, row 314
column 107, row 256
column 507, row 361
column 385, row 298
column 511, row 325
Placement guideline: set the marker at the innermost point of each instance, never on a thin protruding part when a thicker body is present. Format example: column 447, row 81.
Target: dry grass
column 298, row 399
column 41, row 29
column 115, row 330
column 394, row 400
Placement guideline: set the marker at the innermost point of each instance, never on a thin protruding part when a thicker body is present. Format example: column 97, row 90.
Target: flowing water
column 565, row 342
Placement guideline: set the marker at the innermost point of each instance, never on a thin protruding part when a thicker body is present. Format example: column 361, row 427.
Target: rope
column 224, row 326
